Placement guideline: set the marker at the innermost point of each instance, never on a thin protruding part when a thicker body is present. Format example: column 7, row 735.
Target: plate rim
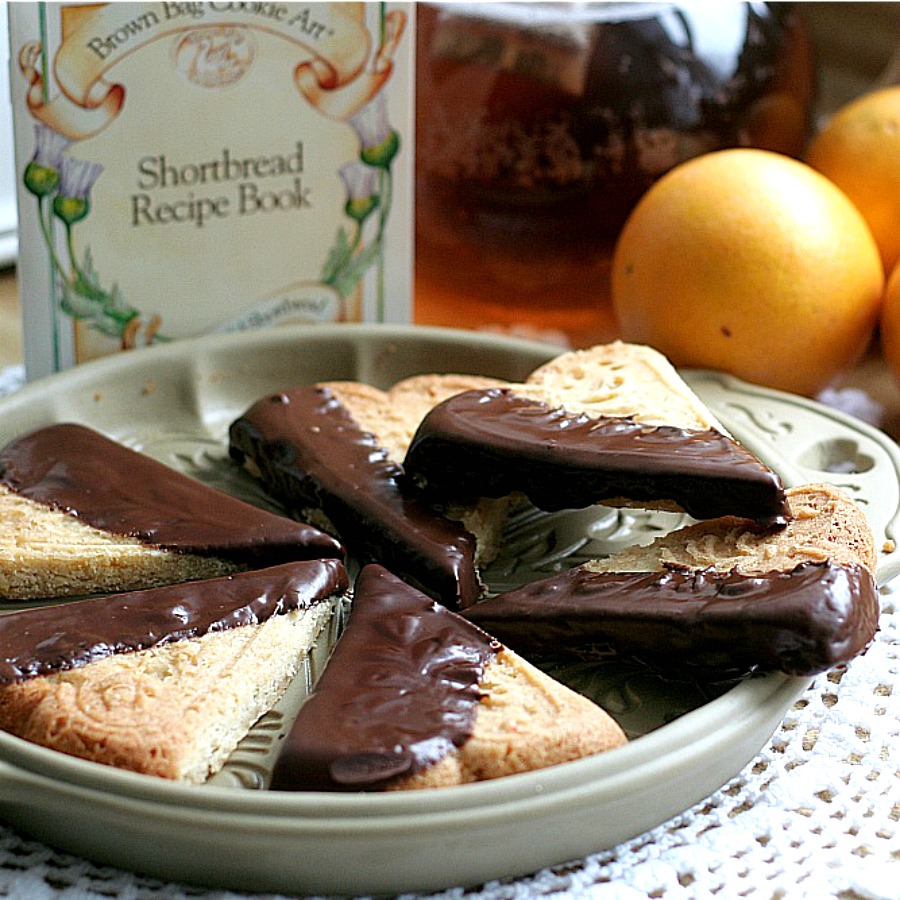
column 687, row 729
column 26, row 767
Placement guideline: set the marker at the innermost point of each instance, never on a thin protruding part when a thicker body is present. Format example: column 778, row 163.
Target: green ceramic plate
column 175, row 403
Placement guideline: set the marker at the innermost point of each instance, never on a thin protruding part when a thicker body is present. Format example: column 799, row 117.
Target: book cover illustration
column 205, row 166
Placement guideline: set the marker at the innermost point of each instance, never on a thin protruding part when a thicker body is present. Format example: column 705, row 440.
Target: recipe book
column 186, row 168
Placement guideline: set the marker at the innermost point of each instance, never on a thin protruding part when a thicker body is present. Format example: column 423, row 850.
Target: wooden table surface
column 10, row 320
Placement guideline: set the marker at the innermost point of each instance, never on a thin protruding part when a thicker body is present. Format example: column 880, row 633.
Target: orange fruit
column 752, row 263
column 859, row 150
column 889, row 331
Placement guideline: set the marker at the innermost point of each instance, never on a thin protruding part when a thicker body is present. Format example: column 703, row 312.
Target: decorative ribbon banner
column 344, row 101
column 306, row 302
column 96, row 38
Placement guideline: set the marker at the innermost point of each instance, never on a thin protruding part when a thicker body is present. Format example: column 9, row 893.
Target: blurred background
column 855, row 46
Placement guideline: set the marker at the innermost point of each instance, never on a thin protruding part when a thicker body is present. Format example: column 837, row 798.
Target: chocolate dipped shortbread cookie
column 166, row 681
column 334, row 452
column 613, row 424
column 720, row 596
column 414, row 696
column 82, row 514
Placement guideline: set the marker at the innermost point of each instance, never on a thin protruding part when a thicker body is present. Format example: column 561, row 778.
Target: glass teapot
column 540, row 125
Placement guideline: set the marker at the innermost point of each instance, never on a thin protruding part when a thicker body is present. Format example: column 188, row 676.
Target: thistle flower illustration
column 379, row 142
column 72, row 201
column 42, row 173
column 63, row 185
column 62, row 188
column 361, row 186
column 368, row 183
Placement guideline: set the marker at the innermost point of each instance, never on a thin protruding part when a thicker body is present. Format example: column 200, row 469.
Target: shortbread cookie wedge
column 333, row 451
column 613, row 424
column 414, row 696
column 82, row 514
column 719, row 596
column 164, row 682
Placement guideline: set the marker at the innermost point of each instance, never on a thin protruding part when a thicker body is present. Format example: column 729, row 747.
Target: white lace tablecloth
column 815, row 815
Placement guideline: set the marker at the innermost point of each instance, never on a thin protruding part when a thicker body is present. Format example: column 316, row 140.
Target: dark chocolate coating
column 800, row 622
column 398, row 694
column 491, row 443
column 55, row 638
column 311, row 453
column 118, row 490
